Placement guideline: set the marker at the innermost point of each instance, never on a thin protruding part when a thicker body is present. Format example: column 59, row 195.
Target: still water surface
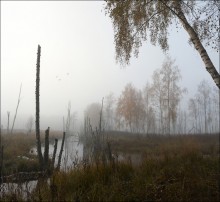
column 72, row 153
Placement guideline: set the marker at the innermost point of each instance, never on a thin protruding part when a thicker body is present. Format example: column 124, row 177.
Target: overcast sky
column 77, row 43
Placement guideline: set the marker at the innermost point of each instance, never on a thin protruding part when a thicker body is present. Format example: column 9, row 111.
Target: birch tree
column 193, row 112
column 204, row 108
column 204, row 92
column 150, row 125
column 29, row 124
column 215, row 109
column 172, row 91
column 167, row 93
column 140, row 113
column 135, row 22
column 157, row 99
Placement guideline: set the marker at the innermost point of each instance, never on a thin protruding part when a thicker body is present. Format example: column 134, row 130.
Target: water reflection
column 72, row 153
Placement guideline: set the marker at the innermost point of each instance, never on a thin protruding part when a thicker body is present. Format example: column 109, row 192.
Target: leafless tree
column 166, row 94
column 204, row 108
column 30, row 124
column 93, row 113
column 215, row 95
column 193, row 112
column 150, row 122
column 157, row 100
column 19, row 99
column 204, row 92
column 109, row 111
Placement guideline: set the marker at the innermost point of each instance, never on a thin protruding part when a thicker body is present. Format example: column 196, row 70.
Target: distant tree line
column 157, row 108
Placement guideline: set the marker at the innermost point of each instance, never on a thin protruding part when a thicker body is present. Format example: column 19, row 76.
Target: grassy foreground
column 174, row 168
column 185, row 178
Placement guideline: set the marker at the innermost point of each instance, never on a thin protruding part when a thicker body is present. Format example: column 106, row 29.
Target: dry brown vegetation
column 170, row 168
column 17, row 146
column 156, row 145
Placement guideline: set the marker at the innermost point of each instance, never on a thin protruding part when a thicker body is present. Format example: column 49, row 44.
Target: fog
column 77, row 60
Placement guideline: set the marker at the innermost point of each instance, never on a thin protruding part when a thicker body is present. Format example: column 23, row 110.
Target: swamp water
column 72, row 152
column 71, row 156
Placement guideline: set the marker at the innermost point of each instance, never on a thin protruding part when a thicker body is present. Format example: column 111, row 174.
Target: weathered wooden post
column 37, row 123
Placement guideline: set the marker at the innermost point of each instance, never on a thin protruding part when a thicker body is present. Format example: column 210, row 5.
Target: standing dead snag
column 61, row 151
column 54, row 153
column 19, row 99
column 39, row 152
column 46, row 149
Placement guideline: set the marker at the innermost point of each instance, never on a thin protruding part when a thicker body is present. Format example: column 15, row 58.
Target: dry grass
column 171, row 168
column 158, row 146
column 186, row 178
column 19, row 145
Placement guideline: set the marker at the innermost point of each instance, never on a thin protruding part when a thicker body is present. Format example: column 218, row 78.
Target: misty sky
column 77, row 42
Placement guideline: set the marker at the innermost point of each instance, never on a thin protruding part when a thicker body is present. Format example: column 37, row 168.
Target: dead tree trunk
column 39, row 152
column 54, row 153
column 46, row 148
column 16, row 110
column 61, row 151
column 8, row 114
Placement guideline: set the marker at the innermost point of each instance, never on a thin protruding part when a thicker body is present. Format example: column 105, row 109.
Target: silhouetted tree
column 29, row 124
column 93, row 113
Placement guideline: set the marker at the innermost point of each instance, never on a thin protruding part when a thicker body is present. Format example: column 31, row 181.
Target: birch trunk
column 198, row 46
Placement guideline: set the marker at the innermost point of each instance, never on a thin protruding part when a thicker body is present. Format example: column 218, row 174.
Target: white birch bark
column 199, row 47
